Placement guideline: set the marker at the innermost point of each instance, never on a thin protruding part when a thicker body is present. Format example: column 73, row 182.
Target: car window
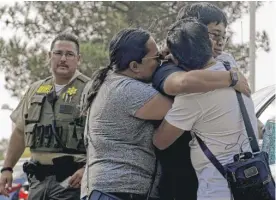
column 268, row 113
column 261, row 96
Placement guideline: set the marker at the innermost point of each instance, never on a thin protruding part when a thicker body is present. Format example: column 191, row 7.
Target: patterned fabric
column 269, row 140
column 120, row 152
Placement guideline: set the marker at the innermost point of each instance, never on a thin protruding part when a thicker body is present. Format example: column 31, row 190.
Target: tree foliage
column 23, row 58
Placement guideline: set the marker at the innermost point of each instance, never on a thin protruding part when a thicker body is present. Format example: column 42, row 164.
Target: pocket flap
column 30, row 128
column 37, row 99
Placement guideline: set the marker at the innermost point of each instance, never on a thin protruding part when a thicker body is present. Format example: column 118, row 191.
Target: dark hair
column 206, row 13
column 126, row 46
column 66, row 37
column 189, row 43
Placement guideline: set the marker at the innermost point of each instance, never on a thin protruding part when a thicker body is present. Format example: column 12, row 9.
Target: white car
column 265, row 108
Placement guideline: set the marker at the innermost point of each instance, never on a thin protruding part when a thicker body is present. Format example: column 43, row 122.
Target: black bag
column 249, row 176
column 98, row 195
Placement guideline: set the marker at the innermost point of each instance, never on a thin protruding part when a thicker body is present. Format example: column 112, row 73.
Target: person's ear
column 213, row 44
column 133, row 66
column 79, row 59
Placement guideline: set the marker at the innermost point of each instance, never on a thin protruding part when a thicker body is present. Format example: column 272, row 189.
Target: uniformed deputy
column 48, row 121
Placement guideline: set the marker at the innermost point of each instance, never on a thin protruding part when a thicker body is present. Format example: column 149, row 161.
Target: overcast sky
column 265, row 62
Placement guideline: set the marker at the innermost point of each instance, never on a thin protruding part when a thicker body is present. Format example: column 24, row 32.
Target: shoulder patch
column 44, row 89
column 36, row 85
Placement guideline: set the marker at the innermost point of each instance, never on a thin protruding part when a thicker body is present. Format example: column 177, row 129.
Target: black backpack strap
column 211, row 156
column 249, row 129
column 248, row 126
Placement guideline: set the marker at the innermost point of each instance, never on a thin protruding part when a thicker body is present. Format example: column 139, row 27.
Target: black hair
column 189, row 43
column 205, row 12
column 126, row 46
column 66, row 37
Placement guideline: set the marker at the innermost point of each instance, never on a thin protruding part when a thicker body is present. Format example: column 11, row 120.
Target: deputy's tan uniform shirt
column 18, row 119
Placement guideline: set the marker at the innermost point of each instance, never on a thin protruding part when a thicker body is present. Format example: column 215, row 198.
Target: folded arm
column 202, row 81
column 180, row 118
column 166, row 135
column 155, row 109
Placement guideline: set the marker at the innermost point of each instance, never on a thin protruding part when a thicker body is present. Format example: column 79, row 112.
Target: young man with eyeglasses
column 48, row 121
column 216, row 21
column 213, row 116
column 179, row 181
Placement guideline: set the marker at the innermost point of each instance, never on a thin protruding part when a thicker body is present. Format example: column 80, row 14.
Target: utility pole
column 252, row 44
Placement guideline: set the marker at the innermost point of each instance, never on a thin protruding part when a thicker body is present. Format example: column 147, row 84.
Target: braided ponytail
column 97, row 80
column 126, row 46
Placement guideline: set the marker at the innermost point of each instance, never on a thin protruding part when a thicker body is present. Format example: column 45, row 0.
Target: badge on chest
column 69, row 94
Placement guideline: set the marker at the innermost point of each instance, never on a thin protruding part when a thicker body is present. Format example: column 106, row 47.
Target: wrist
column 229, row 80
column 234, row 78
column 6, row 169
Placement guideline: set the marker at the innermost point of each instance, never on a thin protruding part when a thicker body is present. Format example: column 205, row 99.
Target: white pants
column 212, row 186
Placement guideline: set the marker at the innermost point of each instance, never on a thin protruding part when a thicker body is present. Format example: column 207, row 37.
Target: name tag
column 66, row 109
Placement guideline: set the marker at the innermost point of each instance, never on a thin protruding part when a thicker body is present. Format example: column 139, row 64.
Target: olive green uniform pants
column 50, row 189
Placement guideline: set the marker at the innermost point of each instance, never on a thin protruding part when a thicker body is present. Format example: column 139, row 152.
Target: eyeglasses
column 68, row 55
column 159, row 58
column 216, row 37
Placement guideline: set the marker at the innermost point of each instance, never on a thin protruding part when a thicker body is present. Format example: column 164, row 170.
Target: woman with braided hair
column 121, row 158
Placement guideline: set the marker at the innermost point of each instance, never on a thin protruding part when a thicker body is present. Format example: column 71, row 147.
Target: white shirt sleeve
column 184, row 112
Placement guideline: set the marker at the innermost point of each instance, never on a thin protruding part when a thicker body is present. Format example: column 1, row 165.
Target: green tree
column 24, row 57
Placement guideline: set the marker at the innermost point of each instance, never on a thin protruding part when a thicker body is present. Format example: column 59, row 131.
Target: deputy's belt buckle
column 252, row 171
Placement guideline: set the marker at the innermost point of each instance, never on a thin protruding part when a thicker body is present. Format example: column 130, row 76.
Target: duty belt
column 62, row 168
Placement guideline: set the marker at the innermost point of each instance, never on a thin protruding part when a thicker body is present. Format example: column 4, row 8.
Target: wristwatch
column 234, row 78
column 7, row 169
